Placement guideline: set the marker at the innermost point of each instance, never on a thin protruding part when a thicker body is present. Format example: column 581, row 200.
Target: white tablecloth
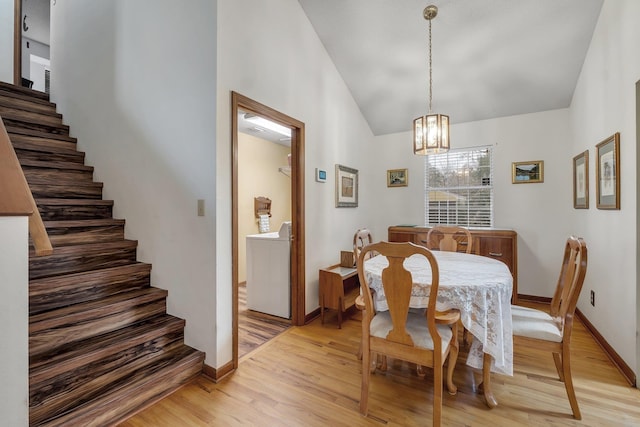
column 480, row 287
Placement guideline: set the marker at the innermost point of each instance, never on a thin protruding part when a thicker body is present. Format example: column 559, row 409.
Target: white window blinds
column 459, row 187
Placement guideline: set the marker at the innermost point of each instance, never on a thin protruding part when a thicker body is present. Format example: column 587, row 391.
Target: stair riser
column 32, row 117
column 13, row 121
column 48, row 339
column 88, row 382
column 42, row 156
column 77, row 236
column 48, row 366
column 57, row 264
column 24, row 92
column 35, row 133
column 62, row 291
column 141, row 389
column 93, row 192
column 8, row 99
column 73, row 212
column 56, row 176
column 44, row 145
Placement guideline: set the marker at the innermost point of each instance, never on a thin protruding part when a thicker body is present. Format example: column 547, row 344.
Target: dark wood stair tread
column 78, row 258
column 16, row 130
column 50, row 364
column 72, row 202
column 56, row 328
column 56, row 165
column 78, row 312
column 36, row 94
column 21, row 116
column 120, row 399
column 21, row 102
column 43, row 144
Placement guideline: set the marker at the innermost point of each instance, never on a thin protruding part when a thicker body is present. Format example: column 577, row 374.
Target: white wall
column 38, row 20
column 136, row 82
column 6, row 41
column 269, row 52
column 604, row 103
column 14, row 316
column 537, row 212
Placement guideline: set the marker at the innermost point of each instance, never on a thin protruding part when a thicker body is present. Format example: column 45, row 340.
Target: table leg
column 485, row 385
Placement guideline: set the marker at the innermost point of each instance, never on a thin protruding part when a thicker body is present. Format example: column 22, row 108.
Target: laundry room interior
column 264, row 219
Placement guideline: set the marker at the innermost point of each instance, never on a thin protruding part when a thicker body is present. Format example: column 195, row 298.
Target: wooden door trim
column 241, row 102
column 17, row 42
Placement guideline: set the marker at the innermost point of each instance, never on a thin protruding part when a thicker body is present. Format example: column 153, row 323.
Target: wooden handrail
column 15, row 195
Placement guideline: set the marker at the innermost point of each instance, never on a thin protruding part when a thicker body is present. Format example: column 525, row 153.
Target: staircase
column 101, row 344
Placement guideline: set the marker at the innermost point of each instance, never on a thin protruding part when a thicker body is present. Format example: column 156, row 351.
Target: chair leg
column 558, row 361
column 437, row 392
column 453, row 358
column 568, row 382
column 366, row 373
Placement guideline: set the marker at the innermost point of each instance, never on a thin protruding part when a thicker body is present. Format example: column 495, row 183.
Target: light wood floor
column 309, row 376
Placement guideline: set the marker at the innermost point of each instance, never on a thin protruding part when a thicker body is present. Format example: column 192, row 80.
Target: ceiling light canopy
column 430, row 132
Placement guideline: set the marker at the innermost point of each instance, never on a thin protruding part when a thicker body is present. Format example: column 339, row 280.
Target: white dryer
column 269, row 272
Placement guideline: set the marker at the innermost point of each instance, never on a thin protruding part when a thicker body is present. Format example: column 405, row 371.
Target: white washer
column 269, row 272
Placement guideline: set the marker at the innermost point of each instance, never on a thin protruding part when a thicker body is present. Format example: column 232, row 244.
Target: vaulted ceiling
column 491, row 58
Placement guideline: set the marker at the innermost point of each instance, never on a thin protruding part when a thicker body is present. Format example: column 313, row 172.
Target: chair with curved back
column 449, row 237
column 539, row 330
column 361, row 239
column 424, row 339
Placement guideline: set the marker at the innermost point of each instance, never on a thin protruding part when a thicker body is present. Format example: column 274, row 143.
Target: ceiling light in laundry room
column 268, row 124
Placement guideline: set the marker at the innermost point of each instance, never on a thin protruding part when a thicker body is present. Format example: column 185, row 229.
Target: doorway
column 244, row 105
column 31, row 51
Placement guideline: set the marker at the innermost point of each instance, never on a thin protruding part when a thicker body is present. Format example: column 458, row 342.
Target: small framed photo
column 527, row 172
column 321, row 175
column 608, row 173
column 581, row 181
column 346, row 187
column 397, row 178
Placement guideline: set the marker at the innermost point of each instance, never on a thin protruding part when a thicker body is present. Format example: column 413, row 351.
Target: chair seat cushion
column 416, row 327
column 532, row 323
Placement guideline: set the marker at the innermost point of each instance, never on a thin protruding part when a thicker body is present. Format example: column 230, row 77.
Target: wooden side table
column 339, row 287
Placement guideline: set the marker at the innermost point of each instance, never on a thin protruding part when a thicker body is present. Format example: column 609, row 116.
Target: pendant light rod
column 430, row 132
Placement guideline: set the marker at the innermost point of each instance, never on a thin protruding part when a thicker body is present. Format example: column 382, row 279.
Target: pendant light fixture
column 430, row 132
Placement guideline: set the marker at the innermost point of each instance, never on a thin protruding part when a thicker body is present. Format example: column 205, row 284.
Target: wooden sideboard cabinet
column 338, row 288
column 501, row 244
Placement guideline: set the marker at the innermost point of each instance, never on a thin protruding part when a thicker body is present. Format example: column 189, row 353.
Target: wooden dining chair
column 361, row 238
column 537, row 329
column 424, row 339
column 449, row 238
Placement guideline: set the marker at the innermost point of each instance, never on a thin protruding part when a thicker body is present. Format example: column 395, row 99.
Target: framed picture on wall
column 608, row 173
column 397, row 178
column 346, row 187
column 581, row 181
column 527, row 172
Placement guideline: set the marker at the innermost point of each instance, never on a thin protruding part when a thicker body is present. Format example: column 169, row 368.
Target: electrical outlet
column 593, row 298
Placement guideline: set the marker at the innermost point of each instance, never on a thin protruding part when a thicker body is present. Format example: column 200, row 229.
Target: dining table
column 480, row 288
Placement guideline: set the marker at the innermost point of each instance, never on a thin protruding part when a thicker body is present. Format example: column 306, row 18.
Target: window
column 459, row 187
